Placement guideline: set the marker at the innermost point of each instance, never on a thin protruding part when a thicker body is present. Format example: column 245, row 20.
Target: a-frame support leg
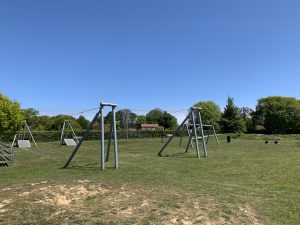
column 12, row 144
column 208, row 135
column 190, row 143
column 189, row 133
column 30, row 134
column 202, row 134
column 115, row 138
column 73, row 133
column 217, row 141
column 170, row 139
column 109, row 142
column 62, row 134
column 195, row 134
column 181, row 135
column 82, row 139
column 102, row 138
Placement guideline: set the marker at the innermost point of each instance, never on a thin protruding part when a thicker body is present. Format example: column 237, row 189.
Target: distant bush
column 47, row 136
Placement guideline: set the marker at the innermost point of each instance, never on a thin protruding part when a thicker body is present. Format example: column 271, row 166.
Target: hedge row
column 45, row 136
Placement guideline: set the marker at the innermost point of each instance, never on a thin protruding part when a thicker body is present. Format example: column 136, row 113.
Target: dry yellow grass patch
column 95, row 203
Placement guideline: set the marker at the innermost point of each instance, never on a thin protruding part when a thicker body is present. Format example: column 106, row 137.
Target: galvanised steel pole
column 73, row 133
column 109, row 142
column 115, row 137
column 181, row 136
column 202, row 133
column 209, row 132
column 189, row 143
column 213, row 127
column 189, row 133
column 195, row 133
column 102, row 137
column 30, row 134
column 62, row 134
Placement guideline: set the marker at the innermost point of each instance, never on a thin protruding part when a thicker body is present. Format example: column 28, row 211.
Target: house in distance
column 145, row 126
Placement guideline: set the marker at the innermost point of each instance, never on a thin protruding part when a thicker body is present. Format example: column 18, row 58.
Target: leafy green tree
column 11, row 116
column 141, row 119
column 154, row 116
column 168, row 121
column 30, row 116
column 162, row 118
column 232, row 121
column 41, row 123
column 210, row 113
column 128, row 119
column 57, row 122
column 83, row 122
column 247, row 115
column 30, row 112
column 278, row 114
column 108, row 119
column 124, row 118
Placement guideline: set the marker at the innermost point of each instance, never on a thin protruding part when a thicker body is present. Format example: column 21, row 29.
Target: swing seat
column 199, row 138
column 69, row 142
column 23, row 144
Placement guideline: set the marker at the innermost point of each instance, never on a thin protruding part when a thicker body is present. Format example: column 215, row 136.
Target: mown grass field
column 242, row 182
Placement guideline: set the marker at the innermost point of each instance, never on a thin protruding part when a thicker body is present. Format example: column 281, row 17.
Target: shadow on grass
column 90, row 166
column 179, row 155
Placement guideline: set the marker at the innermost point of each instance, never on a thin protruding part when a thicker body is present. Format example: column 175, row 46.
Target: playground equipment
column 22, row 139
column 188, row 129
column 211, row 131
column 6, row 155
column 113, row 134
column 163, row 135
column 191, row 115
column 65, row 137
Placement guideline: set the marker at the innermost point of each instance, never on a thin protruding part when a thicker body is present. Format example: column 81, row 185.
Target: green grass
column 242, row 182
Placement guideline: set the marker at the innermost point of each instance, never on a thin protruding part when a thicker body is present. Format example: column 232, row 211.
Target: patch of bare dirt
column 65, row 195
column 87, row 202
column 250, row 213
column 3, row 204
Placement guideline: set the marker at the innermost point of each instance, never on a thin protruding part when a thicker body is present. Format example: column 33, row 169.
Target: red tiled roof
column 144, row 125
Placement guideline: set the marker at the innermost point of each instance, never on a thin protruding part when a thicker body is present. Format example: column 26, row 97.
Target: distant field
column 242, row 182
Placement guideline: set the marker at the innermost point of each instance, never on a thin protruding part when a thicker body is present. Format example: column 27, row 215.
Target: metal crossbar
column 211, row 131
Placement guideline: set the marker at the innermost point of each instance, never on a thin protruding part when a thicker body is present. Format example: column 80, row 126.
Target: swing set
column 66, row 132
column 196, row 124
column 113, row 135
column 22, row 139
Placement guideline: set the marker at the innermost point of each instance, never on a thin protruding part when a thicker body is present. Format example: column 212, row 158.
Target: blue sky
column 61, row 56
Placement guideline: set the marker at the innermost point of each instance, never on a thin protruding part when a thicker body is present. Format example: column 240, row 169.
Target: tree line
column 125, row 119
column 273, row 114
column 12, row 118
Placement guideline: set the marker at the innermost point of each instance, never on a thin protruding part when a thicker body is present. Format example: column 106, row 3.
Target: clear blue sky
column 61, row 56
